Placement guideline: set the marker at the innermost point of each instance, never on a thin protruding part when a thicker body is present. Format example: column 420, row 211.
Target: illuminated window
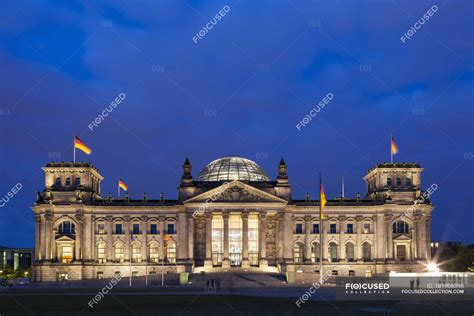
column 154, row 252
column 253, row 239
column 66, row 253
column 100, row 228
column 171, row 252
column 298, row 252
column 136, row 252
column 100, row 275
column 119, row 252
column 101, row 252
column 235, row 239
column 217, row 245
column 366, row 229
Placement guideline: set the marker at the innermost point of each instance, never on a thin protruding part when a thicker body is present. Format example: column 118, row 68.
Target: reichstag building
column 231, row 216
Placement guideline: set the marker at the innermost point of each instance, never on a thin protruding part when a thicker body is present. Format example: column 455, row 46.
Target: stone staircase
column 238, row 279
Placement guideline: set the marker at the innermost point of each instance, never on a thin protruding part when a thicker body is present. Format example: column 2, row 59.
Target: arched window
column 171, row 252
column 101, row 252
column 68, row 181
column 333, row 252
column 154, row 252
column 119, row 251
column 389, row 182
column 66, row 228
column 136, row 252
column 366, row 252
column 315, row 252
column 57, row 182
column 350, row 252
column 298, row 252
column 400, row 227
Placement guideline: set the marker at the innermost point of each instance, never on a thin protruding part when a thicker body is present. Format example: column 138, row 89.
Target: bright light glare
column 432, row 267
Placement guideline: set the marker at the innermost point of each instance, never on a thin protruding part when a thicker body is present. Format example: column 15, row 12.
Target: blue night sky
column 240, row 90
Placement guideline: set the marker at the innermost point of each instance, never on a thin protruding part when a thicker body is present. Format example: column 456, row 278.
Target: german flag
column 122, row 185
column 394, row 147
column 79, row 144
column 322, row 198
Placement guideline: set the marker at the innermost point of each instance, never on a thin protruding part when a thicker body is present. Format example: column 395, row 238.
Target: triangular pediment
column 402, row 237
column 235, row 191
column 64, row 238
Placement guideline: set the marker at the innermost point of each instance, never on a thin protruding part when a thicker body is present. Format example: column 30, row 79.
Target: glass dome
column 232, row 168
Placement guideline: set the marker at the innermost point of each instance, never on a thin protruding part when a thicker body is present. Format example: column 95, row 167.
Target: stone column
column 110, row 241
column 182, row 236
column 128, row 251
column 288, row 237
column 161, row 227
column 190, row 237
column 144, row 227
column 54, row 247
column 324, row 254
column 245, row 240
column 38, row 238
column 281, row 233
column 358, row 249
column 208, row 261
column 47, row 231
column 262, row 238
column 388, row 229
column 226, row 261
column 342, row 246
column 427, row 237
column 307, row 239
column 79, row 237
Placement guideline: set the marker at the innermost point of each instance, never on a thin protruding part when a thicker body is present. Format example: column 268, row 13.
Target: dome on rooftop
column 232, row 168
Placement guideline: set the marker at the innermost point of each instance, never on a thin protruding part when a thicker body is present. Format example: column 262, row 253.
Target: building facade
column 15, row 258
column 231, row 215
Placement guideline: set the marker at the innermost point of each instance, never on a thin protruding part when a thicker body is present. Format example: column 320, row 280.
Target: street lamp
column 432, row 267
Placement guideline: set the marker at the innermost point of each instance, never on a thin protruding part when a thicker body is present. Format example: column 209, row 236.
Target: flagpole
column 342, row 187
column 320, row 234
column 391, row 151
column 74, row 149
column 118, row 187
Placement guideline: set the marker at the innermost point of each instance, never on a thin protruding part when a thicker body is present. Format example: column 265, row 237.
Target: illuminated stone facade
column 232, row 215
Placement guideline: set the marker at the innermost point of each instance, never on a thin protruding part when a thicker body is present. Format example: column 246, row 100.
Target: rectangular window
column 389, row 182
column 118, row 228
column 315, row 228
column 408, row 182
column 332, row 229
column 170, row 229
column 298, row 228
column 136, row 229
column 366, row 228
column 153, row 229
column 399, row 182
column 352, row 273
column 350, row 228
column 100, row 229
column 78, row 182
